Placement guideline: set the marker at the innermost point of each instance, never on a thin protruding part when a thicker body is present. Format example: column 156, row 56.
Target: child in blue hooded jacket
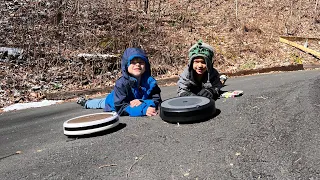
column 135, row 93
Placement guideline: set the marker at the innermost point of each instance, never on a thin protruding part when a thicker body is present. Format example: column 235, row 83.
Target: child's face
column 199, row 65
column 137, row 67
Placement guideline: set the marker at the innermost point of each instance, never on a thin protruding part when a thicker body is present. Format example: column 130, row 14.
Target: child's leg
column 95, row 103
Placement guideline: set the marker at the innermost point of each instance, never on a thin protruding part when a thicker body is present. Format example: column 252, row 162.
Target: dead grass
column 53, row 33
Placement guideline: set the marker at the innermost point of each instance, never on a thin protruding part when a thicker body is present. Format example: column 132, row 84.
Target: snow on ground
column 20, row 106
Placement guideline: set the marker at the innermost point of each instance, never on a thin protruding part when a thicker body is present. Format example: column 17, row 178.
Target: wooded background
column 62, row 45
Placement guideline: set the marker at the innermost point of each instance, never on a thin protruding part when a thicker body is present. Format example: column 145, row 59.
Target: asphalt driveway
column 271, row 132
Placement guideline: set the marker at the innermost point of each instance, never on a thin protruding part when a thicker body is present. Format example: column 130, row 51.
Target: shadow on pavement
column 218, row 111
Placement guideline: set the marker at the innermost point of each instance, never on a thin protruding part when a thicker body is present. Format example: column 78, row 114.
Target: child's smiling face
column 199, row 65
column 137, row 67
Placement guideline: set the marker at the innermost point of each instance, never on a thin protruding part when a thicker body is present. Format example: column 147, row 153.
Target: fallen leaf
column 186, row 174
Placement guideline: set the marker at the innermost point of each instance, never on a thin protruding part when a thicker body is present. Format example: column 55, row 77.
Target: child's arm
column 148, row 106
column 184, row 86
column 155, row 96
column 212, row 92
column 215, row 81
column 135, row 102
column 141, row 110
column 119, row 97
column 209, row 93
column 122, row 105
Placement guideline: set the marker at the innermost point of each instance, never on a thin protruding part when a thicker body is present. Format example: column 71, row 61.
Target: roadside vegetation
column 62, row 45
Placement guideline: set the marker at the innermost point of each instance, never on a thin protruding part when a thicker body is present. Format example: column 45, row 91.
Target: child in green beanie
column 199, row 78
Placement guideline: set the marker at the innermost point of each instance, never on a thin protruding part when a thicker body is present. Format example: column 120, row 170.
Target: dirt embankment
column 50, row 35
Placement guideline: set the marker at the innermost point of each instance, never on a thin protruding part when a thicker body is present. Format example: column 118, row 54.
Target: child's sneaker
column 81, row 101
column 223, row 79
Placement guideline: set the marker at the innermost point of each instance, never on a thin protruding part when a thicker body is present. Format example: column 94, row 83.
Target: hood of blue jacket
column 128, row 55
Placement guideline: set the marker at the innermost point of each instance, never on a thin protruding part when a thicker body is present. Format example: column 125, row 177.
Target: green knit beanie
column 201, row 49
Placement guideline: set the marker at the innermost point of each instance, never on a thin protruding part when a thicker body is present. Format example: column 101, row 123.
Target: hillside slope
column 51, row 34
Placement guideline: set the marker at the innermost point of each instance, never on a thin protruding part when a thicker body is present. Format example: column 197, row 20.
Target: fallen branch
column 308, row 50
column 3, row 157
column 107, row 165
column 298, row 38
column 137, row 160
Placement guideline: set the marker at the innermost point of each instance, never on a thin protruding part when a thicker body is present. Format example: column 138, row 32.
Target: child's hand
column 206, row 93
column 135, row 102
column 151, row 111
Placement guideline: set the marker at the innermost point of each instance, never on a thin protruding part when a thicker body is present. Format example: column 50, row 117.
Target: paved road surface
column 272, row 132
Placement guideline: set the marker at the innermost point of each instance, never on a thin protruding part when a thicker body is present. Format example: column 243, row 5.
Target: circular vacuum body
column 90, row 123
column 187, row 109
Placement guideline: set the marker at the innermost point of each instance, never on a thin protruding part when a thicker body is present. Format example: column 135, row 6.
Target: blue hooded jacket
column 127, row 88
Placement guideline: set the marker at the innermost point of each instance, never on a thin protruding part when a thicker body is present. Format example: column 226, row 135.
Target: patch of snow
column 97, row 55
column 20, row 106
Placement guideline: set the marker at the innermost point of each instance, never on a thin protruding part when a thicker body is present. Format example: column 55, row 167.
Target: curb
column 164, row 82
column 294, row 67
